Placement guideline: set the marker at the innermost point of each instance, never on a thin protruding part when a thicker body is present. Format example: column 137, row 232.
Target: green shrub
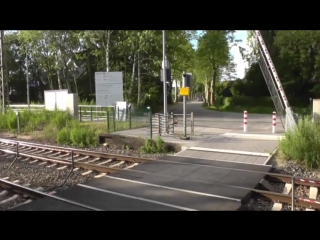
column 302, row 144
column 83, row 137
column 157, row 146
column 63, row 136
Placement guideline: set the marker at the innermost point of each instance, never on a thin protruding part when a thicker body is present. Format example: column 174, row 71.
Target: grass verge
column 302, row 144
column 157, row 146
column 59, row 127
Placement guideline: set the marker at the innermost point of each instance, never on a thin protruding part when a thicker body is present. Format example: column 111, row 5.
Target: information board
column 109, row 88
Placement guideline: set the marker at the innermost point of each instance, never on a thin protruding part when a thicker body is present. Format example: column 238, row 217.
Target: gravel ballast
column 111, row 148
column 287, row 168
column 38, row 176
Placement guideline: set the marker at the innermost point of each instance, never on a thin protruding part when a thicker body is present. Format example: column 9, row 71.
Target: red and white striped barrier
column 308, row 181
column 274, row 122
column 245, row 121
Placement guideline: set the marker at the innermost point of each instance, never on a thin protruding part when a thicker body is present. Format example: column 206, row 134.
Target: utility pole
column 2, row 79
column 164, row 67
column 139, row 81
column 27, row 78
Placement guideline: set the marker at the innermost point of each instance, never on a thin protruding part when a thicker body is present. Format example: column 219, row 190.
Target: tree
column 300, row 51
column 213, row 53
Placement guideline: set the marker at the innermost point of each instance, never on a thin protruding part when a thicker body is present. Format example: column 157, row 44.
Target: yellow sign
column 184, row 91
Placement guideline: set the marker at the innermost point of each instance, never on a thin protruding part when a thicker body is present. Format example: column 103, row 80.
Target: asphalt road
column 225, row 120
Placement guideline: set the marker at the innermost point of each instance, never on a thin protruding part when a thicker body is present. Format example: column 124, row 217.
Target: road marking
column 255, row 136
column 176, row 189
column 230, row 151
column 137, row 198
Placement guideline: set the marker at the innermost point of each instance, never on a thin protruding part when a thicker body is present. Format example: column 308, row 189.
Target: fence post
column 91, row 113
column 18, row 121
column 118, row 113
column 159, row 124
column 192, row 124
column 274, row 122
column 150, row 120
column 108, row 120
column 129, row 113
column 245, row 121
column 80, row 114
column 172, row 115
column 114, row 119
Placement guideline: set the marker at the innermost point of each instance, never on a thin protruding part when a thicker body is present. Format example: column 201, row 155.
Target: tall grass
column 61, row 127
column 302, row 144
column 54, row 126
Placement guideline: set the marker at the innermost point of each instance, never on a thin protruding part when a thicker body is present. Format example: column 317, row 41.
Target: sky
column 234, row 51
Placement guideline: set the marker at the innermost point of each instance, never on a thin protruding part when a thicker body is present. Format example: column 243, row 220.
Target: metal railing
column 159, row 125
column 189, row 124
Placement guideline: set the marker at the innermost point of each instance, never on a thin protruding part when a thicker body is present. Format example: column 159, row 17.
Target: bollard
column 274, row 122
column 245, row 121
column 91, row 114
column 80, row 114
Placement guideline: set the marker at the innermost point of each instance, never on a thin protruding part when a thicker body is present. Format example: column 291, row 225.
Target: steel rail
column 77, row 151
column 34, row 194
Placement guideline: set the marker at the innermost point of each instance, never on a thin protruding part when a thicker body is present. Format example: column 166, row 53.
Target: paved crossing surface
column 215, row 172
column 171, row 183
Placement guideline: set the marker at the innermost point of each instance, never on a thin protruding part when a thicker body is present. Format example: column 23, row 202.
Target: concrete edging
column 270, row 157
column 254, row 136
column 230, row 151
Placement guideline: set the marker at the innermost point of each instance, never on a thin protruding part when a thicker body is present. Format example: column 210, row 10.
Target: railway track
column 105, row 163
column 289, row 197
column 12, row 195
column 61, row 158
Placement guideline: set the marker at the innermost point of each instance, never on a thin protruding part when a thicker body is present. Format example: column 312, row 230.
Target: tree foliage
column 212, row 57
column 68, row 59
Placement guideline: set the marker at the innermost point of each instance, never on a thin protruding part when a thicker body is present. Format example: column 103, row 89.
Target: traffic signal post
column 184, row 91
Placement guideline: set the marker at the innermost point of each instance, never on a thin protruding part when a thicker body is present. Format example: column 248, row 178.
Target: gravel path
column 288, row 168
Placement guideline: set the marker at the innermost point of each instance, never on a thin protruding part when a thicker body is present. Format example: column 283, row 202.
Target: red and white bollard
column 245, row 121
column 274, row 122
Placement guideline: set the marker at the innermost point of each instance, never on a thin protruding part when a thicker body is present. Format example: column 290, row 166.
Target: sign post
column 184, row 91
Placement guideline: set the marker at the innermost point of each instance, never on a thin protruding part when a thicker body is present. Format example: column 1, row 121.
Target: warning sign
column 184, row 91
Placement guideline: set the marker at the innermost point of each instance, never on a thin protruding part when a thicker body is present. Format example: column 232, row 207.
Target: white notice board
column 109, row 88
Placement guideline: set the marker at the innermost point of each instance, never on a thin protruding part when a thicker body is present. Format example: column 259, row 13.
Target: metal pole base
column 185, row 138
